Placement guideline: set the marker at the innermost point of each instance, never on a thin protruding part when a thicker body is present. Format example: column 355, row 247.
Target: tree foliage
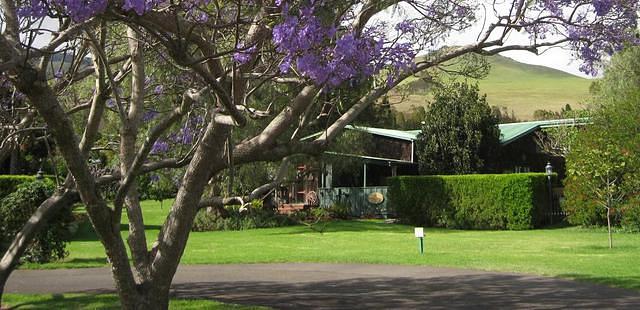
column 460, row 133
column 603, row 164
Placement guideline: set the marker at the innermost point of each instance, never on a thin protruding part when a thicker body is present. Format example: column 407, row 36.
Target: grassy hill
column 520, row 87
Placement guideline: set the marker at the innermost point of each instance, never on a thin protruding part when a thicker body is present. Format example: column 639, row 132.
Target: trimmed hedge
column 9, row 183
column 480, row 201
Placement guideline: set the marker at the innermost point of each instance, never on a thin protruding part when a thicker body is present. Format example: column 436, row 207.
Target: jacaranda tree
column 205, row 85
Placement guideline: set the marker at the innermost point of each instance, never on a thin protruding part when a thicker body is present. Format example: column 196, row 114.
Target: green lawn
column 102, row 301
column 566, row 252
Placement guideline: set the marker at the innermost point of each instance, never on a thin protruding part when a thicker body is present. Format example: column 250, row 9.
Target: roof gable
column 509, row 132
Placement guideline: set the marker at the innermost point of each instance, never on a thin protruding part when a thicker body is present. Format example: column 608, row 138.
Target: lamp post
column 549, row 171
column 40, row 172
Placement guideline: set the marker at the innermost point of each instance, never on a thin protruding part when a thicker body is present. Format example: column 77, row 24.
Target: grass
column 101, row 301
column 520, row 87
column 566, row 252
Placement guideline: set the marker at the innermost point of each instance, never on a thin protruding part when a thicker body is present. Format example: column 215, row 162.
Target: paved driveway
column 349, row 286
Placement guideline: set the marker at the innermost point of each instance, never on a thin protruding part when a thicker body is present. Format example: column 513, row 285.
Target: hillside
column 520, row 87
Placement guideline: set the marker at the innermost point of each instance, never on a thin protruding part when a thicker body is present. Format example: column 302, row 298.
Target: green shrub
column 156, row 187
column 208, row 219
column 16, row 208
column 580, row 205
column 484, row 201
column 340, row 210
column 9, row 183
column 630, row 215
column 237, row 218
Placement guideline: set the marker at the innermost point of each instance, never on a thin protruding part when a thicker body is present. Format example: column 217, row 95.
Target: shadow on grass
column 62, row 301
column 344, row 226
column 87, row 262
column 628, row 282
column 364, row 226
column 86, row 233
column 125, row 227
column 604, row 247
column 101, row 300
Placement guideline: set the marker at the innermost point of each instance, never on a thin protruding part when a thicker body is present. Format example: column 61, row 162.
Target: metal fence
column 554, row 214
column 357, row 198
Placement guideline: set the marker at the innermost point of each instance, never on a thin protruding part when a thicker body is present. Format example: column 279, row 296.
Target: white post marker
column 419, row 232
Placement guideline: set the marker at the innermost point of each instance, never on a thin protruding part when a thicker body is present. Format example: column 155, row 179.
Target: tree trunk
column 14, row 160
column 5, row 152
column 609, row 227
column 4, row 276
column 103, row 219
column 171, row 242
column 128, row 135
column 158, row 297
column 3, row 280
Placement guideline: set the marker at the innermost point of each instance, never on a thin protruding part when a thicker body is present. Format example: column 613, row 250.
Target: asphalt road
column 349, row 286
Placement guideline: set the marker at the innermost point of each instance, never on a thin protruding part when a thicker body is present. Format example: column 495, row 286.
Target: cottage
column 393, row 153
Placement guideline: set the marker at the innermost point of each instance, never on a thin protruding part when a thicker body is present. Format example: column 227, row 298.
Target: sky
column 556, row 57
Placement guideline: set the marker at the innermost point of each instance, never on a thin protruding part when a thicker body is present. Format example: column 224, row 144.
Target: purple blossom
column 78, row 10
column 110, row 103
column 202, row 17
column 196, row 120
column 139, row 6
column 405, row 26
column 158, row 90
column 184, row 136
column 244, row 55
column 307, row 42
column 154, row 178
column 149, row 115
column 602, row 7
column 81, row 10
column 160, row 146
column 34, row 8
column 597, row 30
column 285, row 65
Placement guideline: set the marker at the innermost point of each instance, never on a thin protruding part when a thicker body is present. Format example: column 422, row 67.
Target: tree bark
column 14, row 160
column 57, row 201
column 33, row 84
column 128, row 135
column 208, row 158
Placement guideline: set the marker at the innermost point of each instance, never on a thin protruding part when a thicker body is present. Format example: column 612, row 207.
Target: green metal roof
column 410, row 135
column 371, row 158
column 513, row 131
column 508, row 132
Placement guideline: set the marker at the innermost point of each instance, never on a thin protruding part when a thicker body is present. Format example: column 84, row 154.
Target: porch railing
column 357, row 198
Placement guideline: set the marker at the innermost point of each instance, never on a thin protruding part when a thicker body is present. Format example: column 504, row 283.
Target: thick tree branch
column 128, row 136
